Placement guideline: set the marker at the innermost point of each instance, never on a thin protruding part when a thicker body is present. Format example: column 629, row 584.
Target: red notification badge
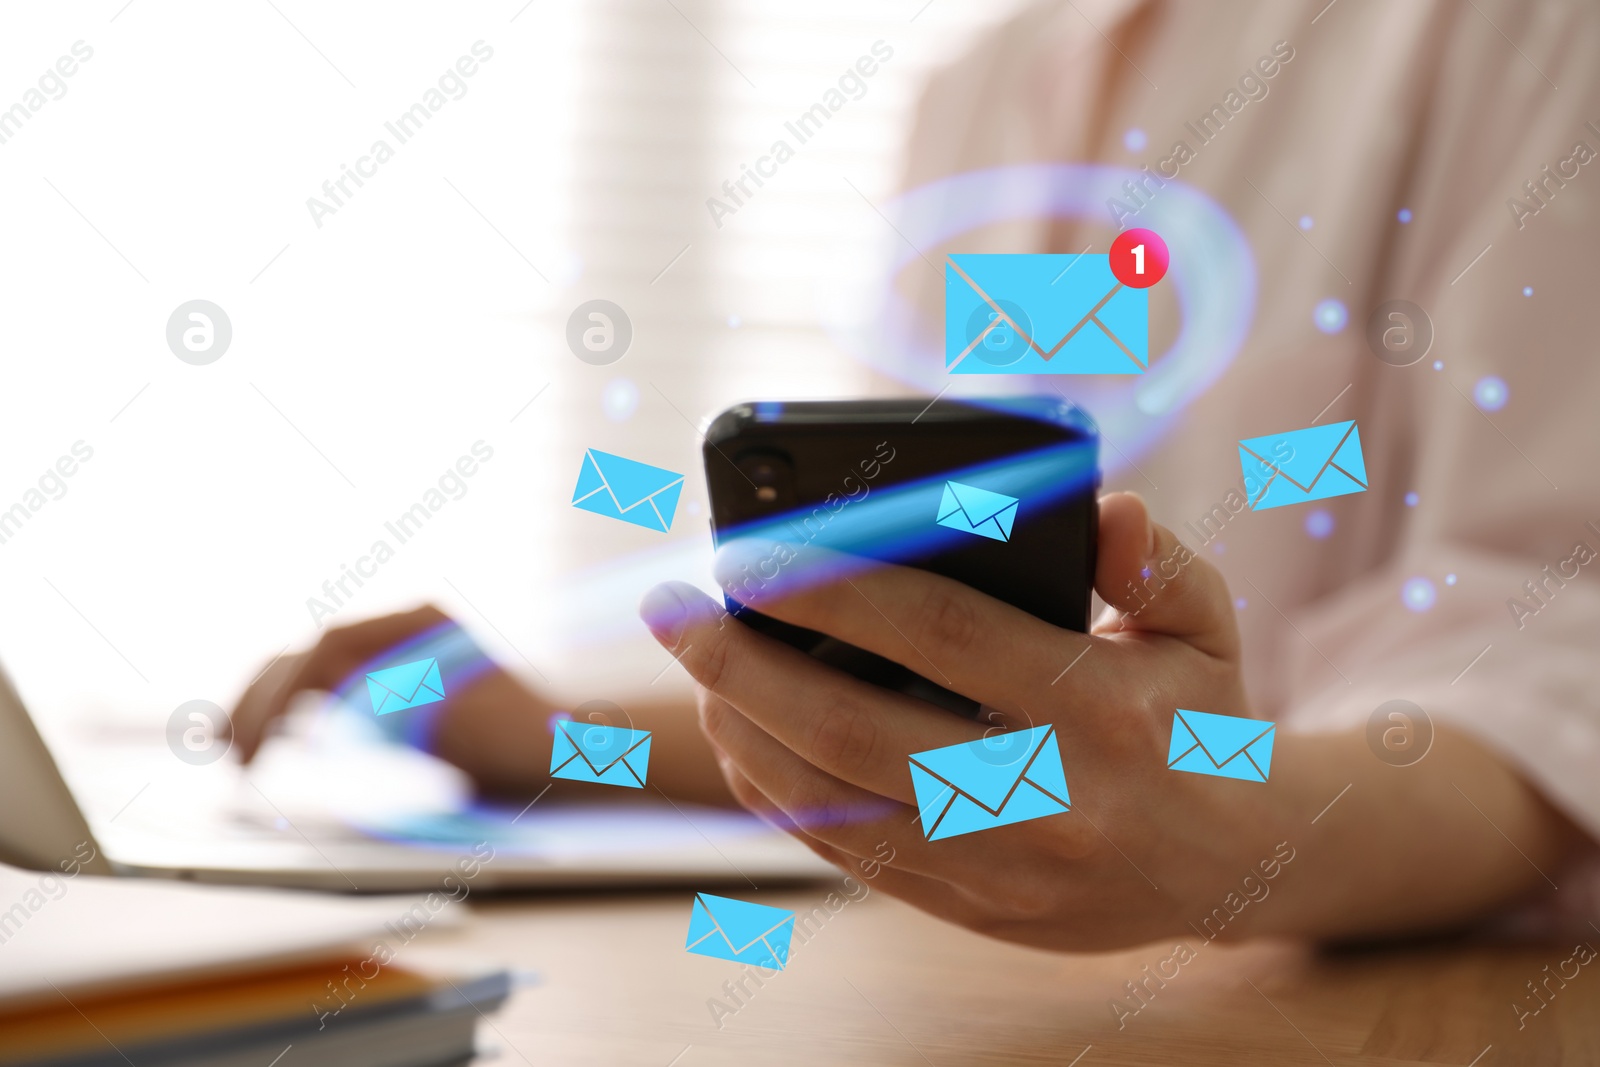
column 1139, row 258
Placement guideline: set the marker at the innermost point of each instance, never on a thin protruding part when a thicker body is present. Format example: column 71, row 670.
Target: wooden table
column 880, row 983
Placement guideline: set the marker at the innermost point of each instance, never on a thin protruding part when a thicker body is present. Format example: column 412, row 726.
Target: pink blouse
column 1417, row 152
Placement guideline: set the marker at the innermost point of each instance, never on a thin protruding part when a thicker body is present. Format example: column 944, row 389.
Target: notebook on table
column 107, row 971
column 283, row 1018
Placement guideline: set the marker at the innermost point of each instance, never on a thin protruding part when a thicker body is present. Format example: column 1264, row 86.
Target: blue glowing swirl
column 1212, row 272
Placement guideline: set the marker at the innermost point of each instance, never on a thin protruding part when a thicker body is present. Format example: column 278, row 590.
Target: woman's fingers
column 337, row 654
column 807, row 799
column 795, row 797
column 934, row 896
column 857, row 732
column 982, row 647
column 957, row 880
column 1157, row 585
column 947, row 632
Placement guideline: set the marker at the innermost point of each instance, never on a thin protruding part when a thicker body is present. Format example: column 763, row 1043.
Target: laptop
column 196, row 836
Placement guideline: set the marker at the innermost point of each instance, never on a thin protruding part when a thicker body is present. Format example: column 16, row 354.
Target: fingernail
column 1149, row 526
column 666, row 613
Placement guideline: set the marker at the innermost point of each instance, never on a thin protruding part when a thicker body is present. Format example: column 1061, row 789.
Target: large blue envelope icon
column 1042, row 314
column 1222, row 745
column 610, row 755
column 409, row 685
column 977, row 511
column 737, row 930
column 994, row 781
column 626, row 489
column 1301, row 465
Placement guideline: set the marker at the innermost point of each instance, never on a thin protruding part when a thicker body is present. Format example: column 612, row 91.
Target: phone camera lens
column 765, row 477
column 771, row 476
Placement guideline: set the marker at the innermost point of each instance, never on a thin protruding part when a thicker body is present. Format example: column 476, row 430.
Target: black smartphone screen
column 999, row 496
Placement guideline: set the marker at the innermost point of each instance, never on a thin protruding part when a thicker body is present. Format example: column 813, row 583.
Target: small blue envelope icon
column 1042, row 314
column 994, row 781
column 610, row 755
column 737, row 930
column 1301, row 465
column 409, row 685
column 626, row 489
column 1222, row 745
column 977, row 511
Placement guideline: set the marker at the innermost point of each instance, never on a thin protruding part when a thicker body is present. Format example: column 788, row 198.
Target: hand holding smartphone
column 999, row 496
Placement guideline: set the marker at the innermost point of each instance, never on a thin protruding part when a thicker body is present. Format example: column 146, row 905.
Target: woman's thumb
column 1156, row 584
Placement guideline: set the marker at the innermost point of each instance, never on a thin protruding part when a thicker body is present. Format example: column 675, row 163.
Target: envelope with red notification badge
column 1008, row 313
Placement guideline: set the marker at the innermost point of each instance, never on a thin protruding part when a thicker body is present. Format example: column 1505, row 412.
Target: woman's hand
column 493, row 727
column 1145, row 851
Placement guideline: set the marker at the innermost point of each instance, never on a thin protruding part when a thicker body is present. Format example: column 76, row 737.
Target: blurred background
column 388, row 335
column 375, row 345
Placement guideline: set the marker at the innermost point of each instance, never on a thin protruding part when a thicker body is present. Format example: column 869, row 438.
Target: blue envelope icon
column 626, row 489
column 409, row 685
column 1042, row 314
column 1222, row 745
column 977, row 511
column 994, row 781
column 1301, row 465
column 737, row 930
column 610, row 755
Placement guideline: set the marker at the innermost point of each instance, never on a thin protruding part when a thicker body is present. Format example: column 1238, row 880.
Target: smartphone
column 999, row 495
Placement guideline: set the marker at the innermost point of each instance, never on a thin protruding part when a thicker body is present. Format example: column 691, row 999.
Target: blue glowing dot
column 1145, row 572
column 1527, row 290
column 568, row 268
column 620, row 399
column 1240, row 604
column 1319, row 524
column 734, row 322
column 1449, row 579
column 555, row 717
column 1491, row 393
column 1418, row 594
column 1219, row 548
column 1330, row 315
column 1306, row 222
column 1412, row 499
column 1438, row 364
column 1135, row 140
column 1404, row 215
